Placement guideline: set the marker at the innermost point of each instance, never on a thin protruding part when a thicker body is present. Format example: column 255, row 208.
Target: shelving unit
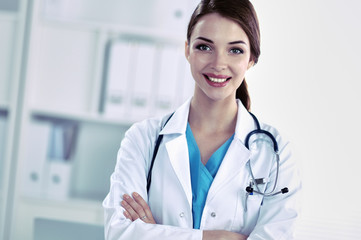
column 12, row 28
column 75, row 211
column 95, row 118
column 8, row 21
column 61, row 79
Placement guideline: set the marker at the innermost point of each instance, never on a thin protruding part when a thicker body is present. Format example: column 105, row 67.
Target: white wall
column 307, row 84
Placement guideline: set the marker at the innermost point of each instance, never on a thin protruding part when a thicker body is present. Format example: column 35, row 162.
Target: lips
column 217, row 80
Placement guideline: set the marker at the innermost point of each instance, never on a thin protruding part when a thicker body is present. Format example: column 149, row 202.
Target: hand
column 222, row 235
column 136, row 208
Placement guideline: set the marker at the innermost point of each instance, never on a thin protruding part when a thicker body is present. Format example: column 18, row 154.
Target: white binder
column 117, row 90
column 35, row 158
column 142, row 81
column 59, row 160
column 58, row 179
column 165, row 99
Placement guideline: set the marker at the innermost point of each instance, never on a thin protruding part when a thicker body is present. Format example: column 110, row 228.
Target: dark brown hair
column 243, row 13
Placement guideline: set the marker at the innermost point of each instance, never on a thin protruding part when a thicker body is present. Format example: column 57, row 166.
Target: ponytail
column 243, row 95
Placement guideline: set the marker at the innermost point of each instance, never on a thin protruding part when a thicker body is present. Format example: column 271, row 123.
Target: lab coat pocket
column 247, row 212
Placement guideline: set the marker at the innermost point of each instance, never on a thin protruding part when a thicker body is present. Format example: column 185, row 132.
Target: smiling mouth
column 216, row 80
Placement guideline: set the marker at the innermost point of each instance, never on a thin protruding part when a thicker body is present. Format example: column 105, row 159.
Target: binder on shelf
column 35, row 158
column 48, row 164
column 142, row 81
column 58, row 179
column 61, row 147
column 165, row 99
column 56, row 142
column 62, row 141
column 118, row 79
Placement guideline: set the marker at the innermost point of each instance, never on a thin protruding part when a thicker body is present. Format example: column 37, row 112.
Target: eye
column 203, row 47
column 236, row 51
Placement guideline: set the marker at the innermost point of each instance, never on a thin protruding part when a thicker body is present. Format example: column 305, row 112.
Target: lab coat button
column 181, row 214
column 213, row 214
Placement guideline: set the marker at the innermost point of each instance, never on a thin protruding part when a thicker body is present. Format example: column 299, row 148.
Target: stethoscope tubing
column 272, row 192
column 250, row 189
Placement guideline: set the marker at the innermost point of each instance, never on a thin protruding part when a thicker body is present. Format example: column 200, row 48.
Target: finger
column 133, row 215
column 145, row 206
column 128, row 211
column 136, row 210
column 127, row 215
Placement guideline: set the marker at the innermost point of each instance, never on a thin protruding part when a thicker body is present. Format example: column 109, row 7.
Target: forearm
column 222, row 235
column 136, row 209
column 117, row 227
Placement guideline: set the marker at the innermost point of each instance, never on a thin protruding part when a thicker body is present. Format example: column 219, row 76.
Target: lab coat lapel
column 177, row 148
column 237, row 155
column 178, row 155
column 233, row 162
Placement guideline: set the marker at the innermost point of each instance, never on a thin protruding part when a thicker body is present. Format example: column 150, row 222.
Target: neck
column 213, row 116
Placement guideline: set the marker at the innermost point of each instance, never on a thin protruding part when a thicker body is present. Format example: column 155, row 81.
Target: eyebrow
column 210, row 41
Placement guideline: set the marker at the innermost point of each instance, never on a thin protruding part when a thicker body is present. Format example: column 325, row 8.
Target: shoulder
column 277, row 133
column 284, row 145
column 151, row 127
column 140, row 138
column 147, row 128
column 268, row 132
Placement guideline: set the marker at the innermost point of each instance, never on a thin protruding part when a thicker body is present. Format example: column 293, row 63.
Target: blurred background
column 75, row 74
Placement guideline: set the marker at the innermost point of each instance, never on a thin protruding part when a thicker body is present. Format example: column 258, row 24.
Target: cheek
column 240, row 67
column 199, row 59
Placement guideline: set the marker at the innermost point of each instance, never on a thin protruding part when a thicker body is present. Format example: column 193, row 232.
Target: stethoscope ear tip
column 284, row 190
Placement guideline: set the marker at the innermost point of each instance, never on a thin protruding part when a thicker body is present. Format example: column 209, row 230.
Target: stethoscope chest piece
column 255, row 182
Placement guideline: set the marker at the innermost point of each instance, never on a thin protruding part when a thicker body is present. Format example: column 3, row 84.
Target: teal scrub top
column 202, row 175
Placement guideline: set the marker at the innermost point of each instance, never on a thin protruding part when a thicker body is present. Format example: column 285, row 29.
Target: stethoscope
column 255, row 182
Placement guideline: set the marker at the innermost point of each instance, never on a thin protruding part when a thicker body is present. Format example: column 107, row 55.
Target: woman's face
column 219, row 56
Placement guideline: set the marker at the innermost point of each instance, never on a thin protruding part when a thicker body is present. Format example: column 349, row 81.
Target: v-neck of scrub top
column 202, row 175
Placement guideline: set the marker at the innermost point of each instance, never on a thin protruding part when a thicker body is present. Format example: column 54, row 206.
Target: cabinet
column 7, row 26
column 69, row 63
column 12, row 25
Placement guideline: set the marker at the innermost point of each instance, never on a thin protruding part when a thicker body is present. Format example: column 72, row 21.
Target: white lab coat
column 170, row 197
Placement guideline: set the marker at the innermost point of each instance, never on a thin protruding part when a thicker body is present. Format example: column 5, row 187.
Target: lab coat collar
column 178, row 122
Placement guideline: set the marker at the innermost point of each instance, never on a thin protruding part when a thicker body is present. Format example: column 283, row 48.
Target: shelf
column 79, row 117
column 134, row 32
column 70, row 203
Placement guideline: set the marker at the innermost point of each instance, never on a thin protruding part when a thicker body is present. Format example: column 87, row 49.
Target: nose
column 219, row 61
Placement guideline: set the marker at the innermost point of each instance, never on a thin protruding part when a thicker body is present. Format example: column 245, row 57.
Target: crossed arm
column 136, row 207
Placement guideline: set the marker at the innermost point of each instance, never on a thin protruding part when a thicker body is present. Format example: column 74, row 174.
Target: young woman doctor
column 202, row 168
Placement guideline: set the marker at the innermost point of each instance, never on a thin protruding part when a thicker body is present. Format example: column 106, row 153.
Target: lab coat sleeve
column 130, row 176
column 278, row 214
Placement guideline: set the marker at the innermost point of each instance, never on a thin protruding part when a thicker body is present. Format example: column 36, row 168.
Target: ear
column 250, row 64
column 186, row 50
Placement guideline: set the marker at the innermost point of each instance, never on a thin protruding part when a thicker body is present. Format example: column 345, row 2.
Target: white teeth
column 217, row 80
